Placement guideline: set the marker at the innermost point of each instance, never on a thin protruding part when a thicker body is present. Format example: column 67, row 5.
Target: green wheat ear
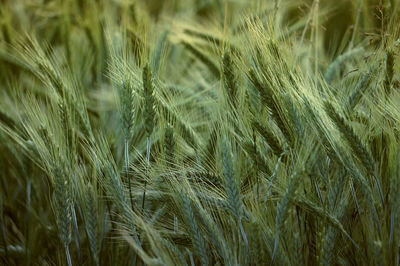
column 231, row 184
column 352, row 139
column 269, row 138
column 63, row 207
column 269, row 99
column 197, row 239
column 358, row 147
column 229, row 78
column 360, row 89
column 149, row 101
column 256, row 156
column 282, row 210
column 126, row 114
column 127, row 108
column 91, row 222
column 335, row 66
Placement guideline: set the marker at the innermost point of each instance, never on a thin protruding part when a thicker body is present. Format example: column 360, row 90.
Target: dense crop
column 199, row 132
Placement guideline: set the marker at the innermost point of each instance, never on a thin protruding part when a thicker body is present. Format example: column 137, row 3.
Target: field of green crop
column 199, row 132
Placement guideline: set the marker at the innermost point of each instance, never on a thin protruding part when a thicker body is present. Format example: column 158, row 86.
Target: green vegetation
column 188, row 132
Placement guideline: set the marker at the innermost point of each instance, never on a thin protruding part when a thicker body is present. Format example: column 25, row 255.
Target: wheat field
column 199, row 132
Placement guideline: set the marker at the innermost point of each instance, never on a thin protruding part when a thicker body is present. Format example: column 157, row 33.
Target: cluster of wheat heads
column 199, row 132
